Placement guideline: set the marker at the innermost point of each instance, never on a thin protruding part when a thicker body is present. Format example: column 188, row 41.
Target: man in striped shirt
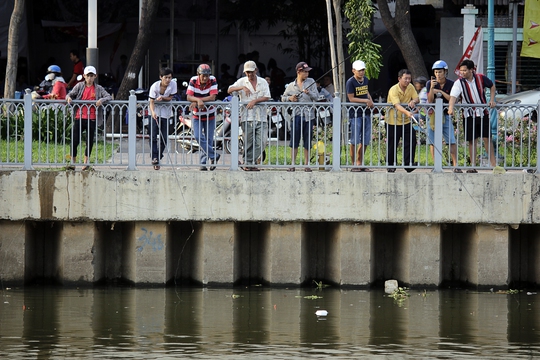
column 470, row 86
column 203, row 88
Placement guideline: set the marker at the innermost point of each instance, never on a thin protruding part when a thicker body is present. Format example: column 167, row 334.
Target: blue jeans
column 204, row 134
column 161, row 130
column 360, row 130
column 303, row 128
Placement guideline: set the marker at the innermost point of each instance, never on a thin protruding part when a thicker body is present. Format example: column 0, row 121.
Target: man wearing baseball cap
column 252, row 89
column 302, row 89
column 359, row 116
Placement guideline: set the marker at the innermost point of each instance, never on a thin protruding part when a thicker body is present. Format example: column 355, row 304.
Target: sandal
column 365, row 170
column 457, row 171
column 85, row 168
column 307, row 169
column 70, row 167
column 291, row 169
column 356, row 169
column 155, row 161
column 472, row 171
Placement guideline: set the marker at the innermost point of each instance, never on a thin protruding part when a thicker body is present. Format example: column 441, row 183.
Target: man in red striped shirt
column 203, row 88
column 471, row 89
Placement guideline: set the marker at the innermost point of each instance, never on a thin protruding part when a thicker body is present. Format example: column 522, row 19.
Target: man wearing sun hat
column 302, row 89
column 252, row 89
column 359, row 116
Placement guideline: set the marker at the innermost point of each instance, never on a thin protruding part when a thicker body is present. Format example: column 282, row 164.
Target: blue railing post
column 437, row 141
column 28, row 130
column 132, row 131
column 235, row 124
column 336, row 135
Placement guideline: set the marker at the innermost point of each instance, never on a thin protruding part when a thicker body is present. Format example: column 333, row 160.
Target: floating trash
column 321, row 312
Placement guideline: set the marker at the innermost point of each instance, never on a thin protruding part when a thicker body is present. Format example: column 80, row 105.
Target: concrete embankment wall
column 275, row 227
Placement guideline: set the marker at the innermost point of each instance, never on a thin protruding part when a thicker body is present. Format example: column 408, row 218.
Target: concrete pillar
column 469, row 27
column 355, row 253
column 424, row 252
column 217, row 253
column 12, row 251
column 145, row 259
column 76, row 255
column 284, row 254
column 492, row 254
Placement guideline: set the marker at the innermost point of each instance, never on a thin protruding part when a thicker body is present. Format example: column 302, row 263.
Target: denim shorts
column 447, row 132
column 360, row 130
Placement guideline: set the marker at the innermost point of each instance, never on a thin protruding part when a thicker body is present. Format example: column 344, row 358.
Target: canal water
column 261, row 323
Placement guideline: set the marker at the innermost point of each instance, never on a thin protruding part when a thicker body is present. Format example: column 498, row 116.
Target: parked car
column 521, row 105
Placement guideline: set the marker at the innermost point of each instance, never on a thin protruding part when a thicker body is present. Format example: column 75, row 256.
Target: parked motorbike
column 222, row 134
column 278, row 128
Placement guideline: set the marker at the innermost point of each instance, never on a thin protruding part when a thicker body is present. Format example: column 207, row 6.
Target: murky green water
column 112, row 323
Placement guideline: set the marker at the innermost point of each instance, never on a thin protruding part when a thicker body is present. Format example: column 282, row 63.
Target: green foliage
column 49, row 124
column 400, row 295
column 361, row 45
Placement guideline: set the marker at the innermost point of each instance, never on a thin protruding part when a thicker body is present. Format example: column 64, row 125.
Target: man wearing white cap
column 252, row 90
column 87, row 116
column 359, row 116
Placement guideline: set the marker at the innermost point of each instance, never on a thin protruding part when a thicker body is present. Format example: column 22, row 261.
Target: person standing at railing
column 359, row 117
column 302, row 89
column 470, row 87
column 253, row 90
column 203, row 88
column 162, row 92
column 440, row 87
column 398, row 121
column 86, row 116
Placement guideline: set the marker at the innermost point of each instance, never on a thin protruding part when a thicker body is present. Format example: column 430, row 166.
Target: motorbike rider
column 46, row 85
column 59, row 86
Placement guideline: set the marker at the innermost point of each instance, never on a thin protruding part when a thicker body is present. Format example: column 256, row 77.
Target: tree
column 13, row 48
column 400, row 29
column 361, row 46
column 149, row 11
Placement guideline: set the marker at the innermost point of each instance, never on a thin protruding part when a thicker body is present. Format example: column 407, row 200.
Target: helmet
column 204, row 69
column 439, row 64
column 54, row 68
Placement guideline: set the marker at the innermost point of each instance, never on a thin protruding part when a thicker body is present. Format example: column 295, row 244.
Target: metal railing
column 41, row 133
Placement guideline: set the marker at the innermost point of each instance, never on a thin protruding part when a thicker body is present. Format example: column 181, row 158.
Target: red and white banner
column 474, row 52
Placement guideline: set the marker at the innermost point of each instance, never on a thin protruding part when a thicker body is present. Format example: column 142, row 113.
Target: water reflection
column 50, row 323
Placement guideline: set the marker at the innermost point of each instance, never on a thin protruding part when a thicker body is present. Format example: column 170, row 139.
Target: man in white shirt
column 471, row 89
column 252, row 90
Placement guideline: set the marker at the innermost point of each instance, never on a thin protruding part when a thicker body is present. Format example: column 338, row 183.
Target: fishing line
column 455, row 175
column 169, row 158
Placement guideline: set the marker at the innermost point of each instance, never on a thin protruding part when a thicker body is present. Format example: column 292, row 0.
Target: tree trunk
column 339, row 81
column 399, row 27
column 129, row 82
column 13, row 49
column 333, row 49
